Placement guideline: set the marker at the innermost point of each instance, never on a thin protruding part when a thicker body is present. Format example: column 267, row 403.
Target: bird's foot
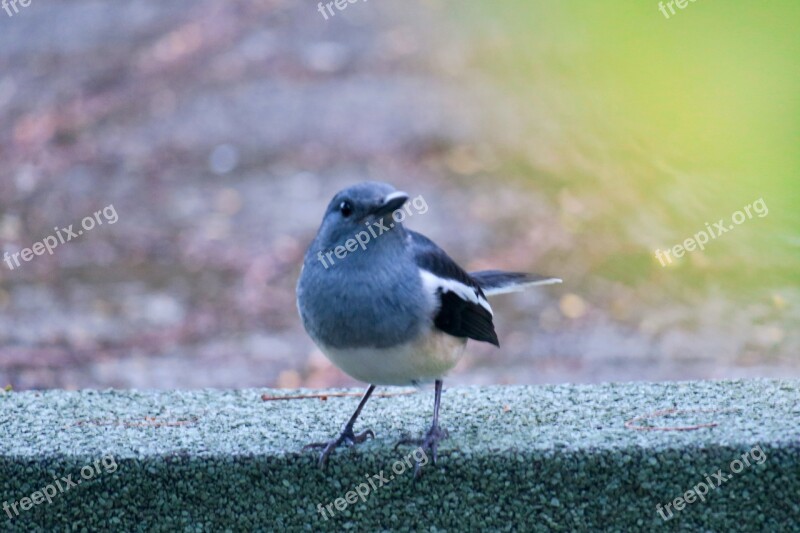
column 429, row 442
column 346, row 436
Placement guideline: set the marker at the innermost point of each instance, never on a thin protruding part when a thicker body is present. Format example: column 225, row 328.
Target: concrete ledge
column 533, row 458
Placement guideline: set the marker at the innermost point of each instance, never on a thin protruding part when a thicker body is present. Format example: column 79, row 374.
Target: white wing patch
column 432, row 283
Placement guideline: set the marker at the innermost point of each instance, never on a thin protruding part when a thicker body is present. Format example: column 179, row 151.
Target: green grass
column 660, row 125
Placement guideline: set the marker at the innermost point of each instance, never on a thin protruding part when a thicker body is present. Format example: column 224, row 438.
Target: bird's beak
column 391, row 203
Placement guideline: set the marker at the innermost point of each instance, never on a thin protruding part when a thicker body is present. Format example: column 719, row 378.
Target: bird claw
column 347, row 436
column 430, row 442
column 360, row 437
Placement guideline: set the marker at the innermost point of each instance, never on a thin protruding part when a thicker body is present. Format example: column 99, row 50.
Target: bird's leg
column 435, row 434
column 346, row 435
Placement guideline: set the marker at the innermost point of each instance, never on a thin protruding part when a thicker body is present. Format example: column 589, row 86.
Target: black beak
column 391, row 203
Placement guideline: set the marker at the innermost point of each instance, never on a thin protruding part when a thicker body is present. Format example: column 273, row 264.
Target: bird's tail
column 498, row 282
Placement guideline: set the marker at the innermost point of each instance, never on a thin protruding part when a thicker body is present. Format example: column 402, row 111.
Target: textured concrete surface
column 518, row 458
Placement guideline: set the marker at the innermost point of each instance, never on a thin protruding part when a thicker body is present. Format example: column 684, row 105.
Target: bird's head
column 360, row 208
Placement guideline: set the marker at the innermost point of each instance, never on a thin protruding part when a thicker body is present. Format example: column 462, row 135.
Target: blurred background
column 568, row 138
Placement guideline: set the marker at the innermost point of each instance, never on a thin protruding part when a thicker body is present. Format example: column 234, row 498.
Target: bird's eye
column 345, row 209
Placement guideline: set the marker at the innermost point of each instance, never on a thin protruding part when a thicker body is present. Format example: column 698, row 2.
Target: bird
column 388, row 306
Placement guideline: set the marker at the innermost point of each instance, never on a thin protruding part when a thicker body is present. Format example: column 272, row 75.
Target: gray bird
column 388, row 306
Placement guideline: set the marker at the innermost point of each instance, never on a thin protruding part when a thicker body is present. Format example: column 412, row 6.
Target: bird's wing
column 463, row 310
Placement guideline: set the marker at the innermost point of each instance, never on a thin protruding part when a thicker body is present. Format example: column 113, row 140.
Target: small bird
column 392, row 308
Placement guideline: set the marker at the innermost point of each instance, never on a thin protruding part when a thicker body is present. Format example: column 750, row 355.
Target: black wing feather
column 456, row 316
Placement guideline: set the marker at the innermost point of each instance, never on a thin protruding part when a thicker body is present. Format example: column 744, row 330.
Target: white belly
column 426, row 359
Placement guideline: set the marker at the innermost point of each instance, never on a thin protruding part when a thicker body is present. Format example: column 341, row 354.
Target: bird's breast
column 363, row 308
column 426, row 358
